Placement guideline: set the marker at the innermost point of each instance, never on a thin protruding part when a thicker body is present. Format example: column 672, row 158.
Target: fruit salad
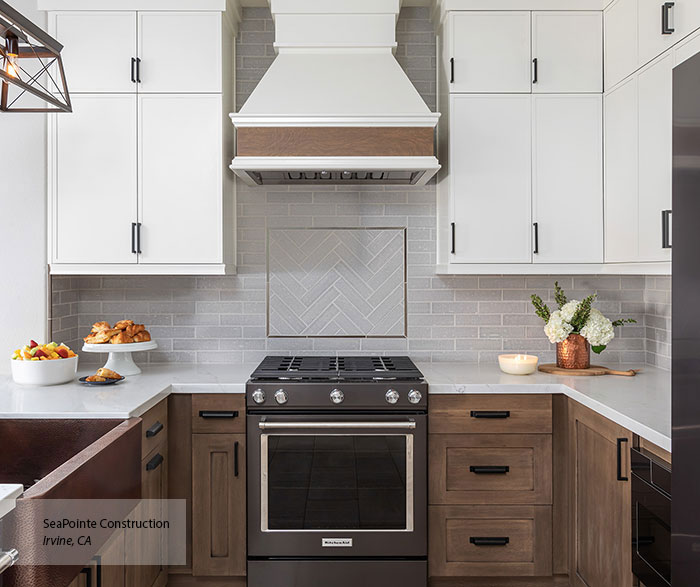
column 42, row 352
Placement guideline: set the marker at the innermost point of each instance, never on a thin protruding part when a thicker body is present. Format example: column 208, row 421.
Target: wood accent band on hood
column 335, row 142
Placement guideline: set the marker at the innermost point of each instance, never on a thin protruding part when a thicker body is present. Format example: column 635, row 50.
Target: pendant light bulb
column 11, row 55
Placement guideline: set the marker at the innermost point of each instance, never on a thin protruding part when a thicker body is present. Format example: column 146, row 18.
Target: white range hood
column 335, row 106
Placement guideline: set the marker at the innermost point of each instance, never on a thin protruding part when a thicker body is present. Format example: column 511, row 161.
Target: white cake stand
column 120, row 359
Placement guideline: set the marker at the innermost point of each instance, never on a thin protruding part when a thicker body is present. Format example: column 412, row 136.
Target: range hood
column 335, row 106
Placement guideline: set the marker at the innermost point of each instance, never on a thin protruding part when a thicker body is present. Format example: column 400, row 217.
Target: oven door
column 337, row 485
column 651, row 534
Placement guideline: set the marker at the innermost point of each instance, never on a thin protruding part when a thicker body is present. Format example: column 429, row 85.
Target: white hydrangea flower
column 557, row 329
column 598, row 330
column 569, row 309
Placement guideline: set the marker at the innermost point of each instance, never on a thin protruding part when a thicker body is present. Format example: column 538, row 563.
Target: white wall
column 22, row 222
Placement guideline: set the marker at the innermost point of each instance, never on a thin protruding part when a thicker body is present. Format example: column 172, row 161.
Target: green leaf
column 559, row 295
column 541, row 309
column 598, row 349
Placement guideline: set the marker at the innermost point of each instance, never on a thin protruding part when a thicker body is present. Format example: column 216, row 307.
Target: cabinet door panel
column 621, row 201
column 180, row 52
column 568, row 178
column 491, row 51
column 684, row 18
column 620, row 41
column 95, row 180
column 568, row 47
column 180, row 178
column 98, row 48
column 490, row 141
column 655, row 154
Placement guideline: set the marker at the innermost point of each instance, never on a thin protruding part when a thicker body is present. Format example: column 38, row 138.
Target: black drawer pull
column 490, row 414
column 235, row 459
column 666, row 28
column 619, row 459
column 155, row 462
column 154, row 430
column 489, row 540
column 666, row 229
column 489, row 469
column 452, row 70
column 218, row 414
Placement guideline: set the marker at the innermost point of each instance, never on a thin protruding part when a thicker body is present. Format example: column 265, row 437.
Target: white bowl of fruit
column 44, row 364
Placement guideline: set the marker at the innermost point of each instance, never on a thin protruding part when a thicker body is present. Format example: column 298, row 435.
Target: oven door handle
column 344, row 425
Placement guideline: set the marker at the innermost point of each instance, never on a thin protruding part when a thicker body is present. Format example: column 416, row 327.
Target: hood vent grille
column 335, row 177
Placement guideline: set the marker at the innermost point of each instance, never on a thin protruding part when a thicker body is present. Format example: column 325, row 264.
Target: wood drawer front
column 486, row 468
column 218, row 413
column 154, row 428
column 469, row 541
column 489, row 414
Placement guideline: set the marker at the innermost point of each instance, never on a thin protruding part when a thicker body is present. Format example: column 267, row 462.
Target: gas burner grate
column 346, row 368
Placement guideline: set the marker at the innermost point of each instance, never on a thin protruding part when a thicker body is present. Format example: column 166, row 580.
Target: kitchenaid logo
column 336, row 542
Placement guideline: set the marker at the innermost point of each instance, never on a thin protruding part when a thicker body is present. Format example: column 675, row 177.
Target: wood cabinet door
column 111, row 561
column 601, row 501
column 490, row 158
column 620, row 24
column 567, row 181
column 491, row 51
column 180, row 52
column 568, row 47
column 93, row 180
column 218, row 505
column 180, row 178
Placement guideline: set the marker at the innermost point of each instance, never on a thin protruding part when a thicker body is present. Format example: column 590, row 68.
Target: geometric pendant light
column 30, row 60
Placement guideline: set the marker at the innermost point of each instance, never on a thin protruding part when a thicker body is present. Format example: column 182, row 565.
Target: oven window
column 653, row 541
column 325, row 482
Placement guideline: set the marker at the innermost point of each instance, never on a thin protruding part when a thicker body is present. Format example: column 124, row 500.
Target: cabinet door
column 601, row 501
column 621, row 201
column 568, row 178
column 491, row 51
column 180, row 178
column 111, row 562
column 94, row 180
column 620, row 41
column 683, row 19
column 655, row 88
column 218, row 505
column 490, row 151
column 568, row 47
column 98, row 49
column 180, row 52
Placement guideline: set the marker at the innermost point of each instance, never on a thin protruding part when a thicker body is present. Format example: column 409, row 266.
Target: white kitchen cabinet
column 98, row 49
column 567, row 52
column 490, row 154
column 567, row 180
column 93, row 180
column 490, row 51
column 621, row 177
column 180, row 178
column 621, row 51
column 657, row 32
column 180, row 52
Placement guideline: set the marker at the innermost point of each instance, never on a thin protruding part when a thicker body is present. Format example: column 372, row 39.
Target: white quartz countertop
column 9, row 492
column 641, row 404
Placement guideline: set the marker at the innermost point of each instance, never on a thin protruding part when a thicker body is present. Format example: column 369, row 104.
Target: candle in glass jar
column 518, row 364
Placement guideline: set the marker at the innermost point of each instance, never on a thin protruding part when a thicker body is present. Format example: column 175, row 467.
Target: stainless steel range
column 337, row 472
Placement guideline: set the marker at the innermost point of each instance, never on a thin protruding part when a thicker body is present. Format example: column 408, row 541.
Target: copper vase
column 574, row 353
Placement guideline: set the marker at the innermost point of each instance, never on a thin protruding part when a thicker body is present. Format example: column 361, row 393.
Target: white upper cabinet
column 567, row 52
column 490, row 52
column 621, row 55
column 567, row 178
column 662, row 24
column 490, row 153
column 180, row 52
column 98, row 50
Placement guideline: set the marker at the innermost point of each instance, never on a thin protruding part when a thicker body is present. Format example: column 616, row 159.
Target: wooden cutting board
column 592, row 370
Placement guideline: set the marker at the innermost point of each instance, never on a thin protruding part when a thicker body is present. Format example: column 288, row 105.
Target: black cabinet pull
column 490, row 414
column 133, row 70
column 218, row 414
column 489, row 540
column 235, row 459
column 536, row 228
column 534, row 70
column 666, row 229
column 620, row 442
column 452, row 70
column 153, row 430
column 155, row 462
column 133, row 238
column 87, row 571
column 138, row 70
column 666, row 28
column 138, row 238
column 489, row 469
column 452, row 228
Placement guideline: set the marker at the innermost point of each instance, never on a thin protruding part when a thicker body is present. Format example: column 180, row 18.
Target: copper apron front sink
column 63, row 459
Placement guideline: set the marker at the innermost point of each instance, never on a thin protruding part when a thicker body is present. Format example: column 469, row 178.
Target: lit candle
column 517, row 364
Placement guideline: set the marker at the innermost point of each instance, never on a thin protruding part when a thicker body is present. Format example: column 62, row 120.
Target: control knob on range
column 392, row 396
column 337, row 396
column 281, row 396
column 414, row 396
column 258, row 396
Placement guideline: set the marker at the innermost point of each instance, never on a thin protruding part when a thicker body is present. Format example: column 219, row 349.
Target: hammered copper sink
column 64, row 459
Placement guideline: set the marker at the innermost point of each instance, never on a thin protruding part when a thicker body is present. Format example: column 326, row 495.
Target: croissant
column 143, row 336
column 123, row 324
column 100, row 337
column 121, row 338
column 135, row 329
column 95, row 378
column 108, row 373
column 99, row 326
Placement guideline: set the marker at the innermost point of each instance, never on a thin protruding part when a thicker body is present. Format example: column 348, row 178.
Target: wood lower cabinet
column 600, row 509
